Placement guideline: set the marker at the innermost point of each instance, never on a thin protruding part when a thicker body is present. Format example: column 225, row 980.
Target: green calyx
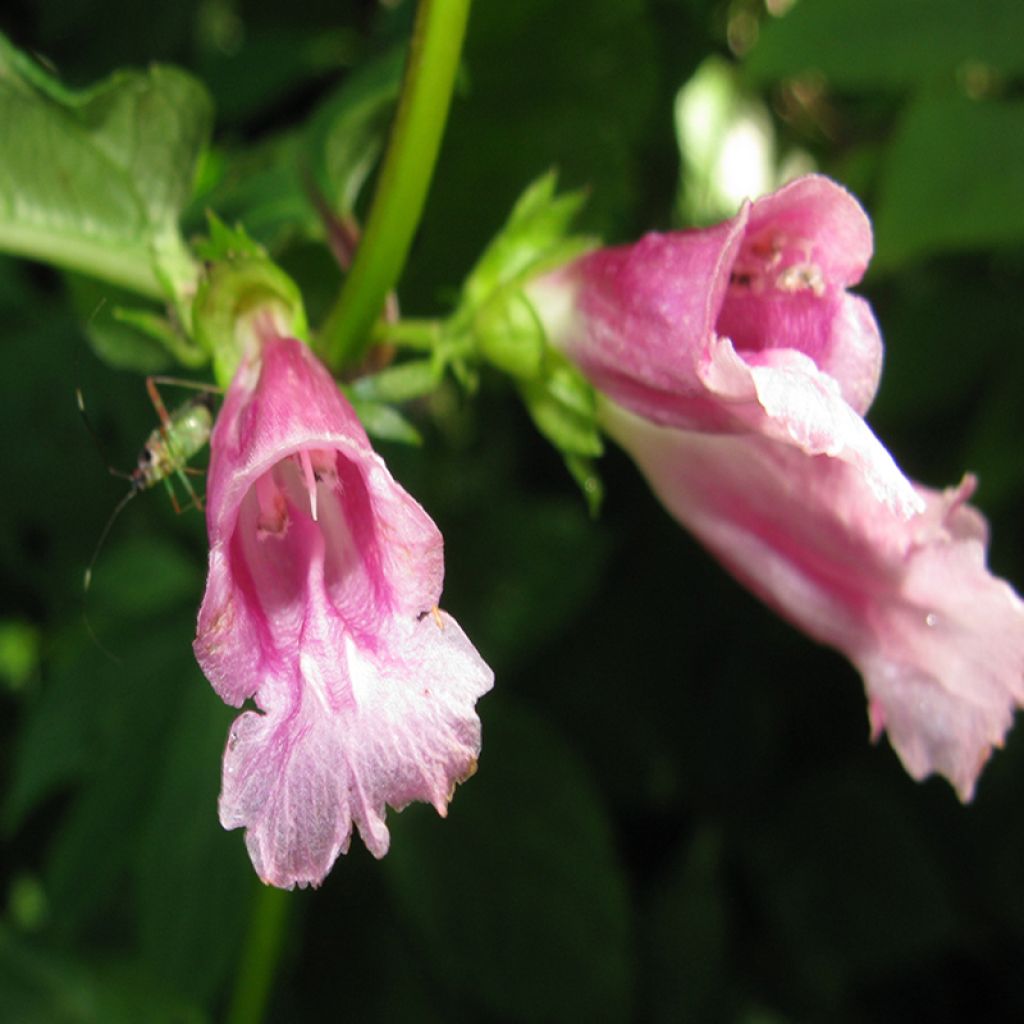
column 240, row 283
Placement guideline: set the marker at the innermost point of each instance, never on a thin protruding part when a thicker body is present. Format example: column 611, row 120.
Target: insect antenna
column 80, row 402
column 118, row 508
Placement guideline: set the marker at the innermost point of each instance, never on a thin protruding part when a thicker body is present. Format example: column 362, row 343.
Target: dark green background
column 678, row 815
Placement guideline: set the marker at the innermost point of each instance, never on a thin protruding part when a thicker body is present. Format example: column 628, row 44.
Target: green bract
column 507, row 333
column 240, row 280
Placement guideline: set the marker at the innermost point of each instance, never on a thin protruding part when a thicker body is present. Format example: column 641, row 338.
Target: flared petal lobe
column 736, row 370
column 321, row 607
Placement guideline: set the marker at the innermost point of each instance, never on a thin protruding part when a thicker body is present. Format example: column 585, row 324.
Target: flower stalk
column 346, row 335
column 260, row 957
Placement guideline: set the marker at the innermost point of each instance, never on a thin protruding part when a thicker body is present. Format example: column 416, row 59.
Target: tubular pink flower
column 736, row 370
column 321, row 606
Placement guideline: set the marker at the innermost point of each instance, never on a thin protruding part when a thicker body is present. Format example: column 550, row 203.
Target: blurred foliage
column 678, row 815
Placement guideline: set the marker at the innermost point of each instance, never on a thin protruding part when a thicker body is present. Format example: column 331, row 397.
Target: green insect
column 181, row 435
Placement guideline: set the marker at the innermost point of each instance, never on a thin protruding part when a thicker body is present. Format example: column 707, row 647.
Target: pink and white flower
column 736, row 370
column 321, row 607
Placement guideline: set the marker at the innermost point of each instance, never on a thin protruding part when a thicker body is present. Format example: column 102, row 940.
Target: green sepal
column 226, row 243
column 239, row 280
column 584, row 472
column 563, row 406
column 401, row 383
column 162, row 330
column 510, row 335
column 534, row 239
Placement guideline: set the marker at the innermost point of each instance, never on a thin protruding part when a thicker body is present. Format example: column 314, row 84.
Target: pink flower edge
column 321, row 608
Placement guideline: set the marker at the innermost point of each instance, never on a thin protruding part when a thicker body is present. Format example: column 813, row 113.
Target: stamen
column 801, row 277
column 309, row 479
column 325, row 468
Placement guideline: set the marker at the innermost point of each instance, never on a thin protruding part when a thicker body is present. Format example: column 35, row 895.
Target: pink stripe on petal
column 321, row 571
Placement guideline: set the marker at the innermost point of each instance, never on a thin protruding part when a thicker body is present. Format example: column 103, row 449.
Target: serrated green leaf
column 94, row 181
column 939, row 196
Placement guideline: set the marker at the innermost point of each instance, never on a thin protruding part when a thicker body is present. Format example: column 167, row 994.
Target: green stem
column 259, row 957
column 404, row 180
column 422, row 335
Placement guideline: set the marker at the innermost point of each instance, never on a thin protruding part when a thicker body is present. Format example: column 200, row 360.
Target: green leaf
column 866, row 44
column 402, row 382
column 384, row 422
column 94, row 181
column 346, row 135
column 129, row 337
column 936, row 195
column 227, row 243
column 261, row 186
column 517, row 898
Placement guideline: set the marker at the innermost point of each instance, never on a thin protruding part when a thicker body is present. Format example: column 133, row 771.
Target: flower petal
column 939, row 640
column 321, row 606
column 300, row 775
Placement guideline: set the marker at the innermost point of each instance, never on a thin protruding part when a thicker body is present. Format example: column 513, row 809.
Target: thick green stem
column 255, row 977
column 404, row 180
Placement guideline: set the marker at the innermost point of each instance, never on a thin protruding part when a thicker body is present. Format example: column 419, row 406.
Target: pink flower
column 321, row 606
column 737, row 369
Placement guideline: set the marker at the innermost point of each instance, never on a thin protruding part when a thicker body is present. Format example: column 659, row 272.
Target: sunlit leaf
column 94, row 180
